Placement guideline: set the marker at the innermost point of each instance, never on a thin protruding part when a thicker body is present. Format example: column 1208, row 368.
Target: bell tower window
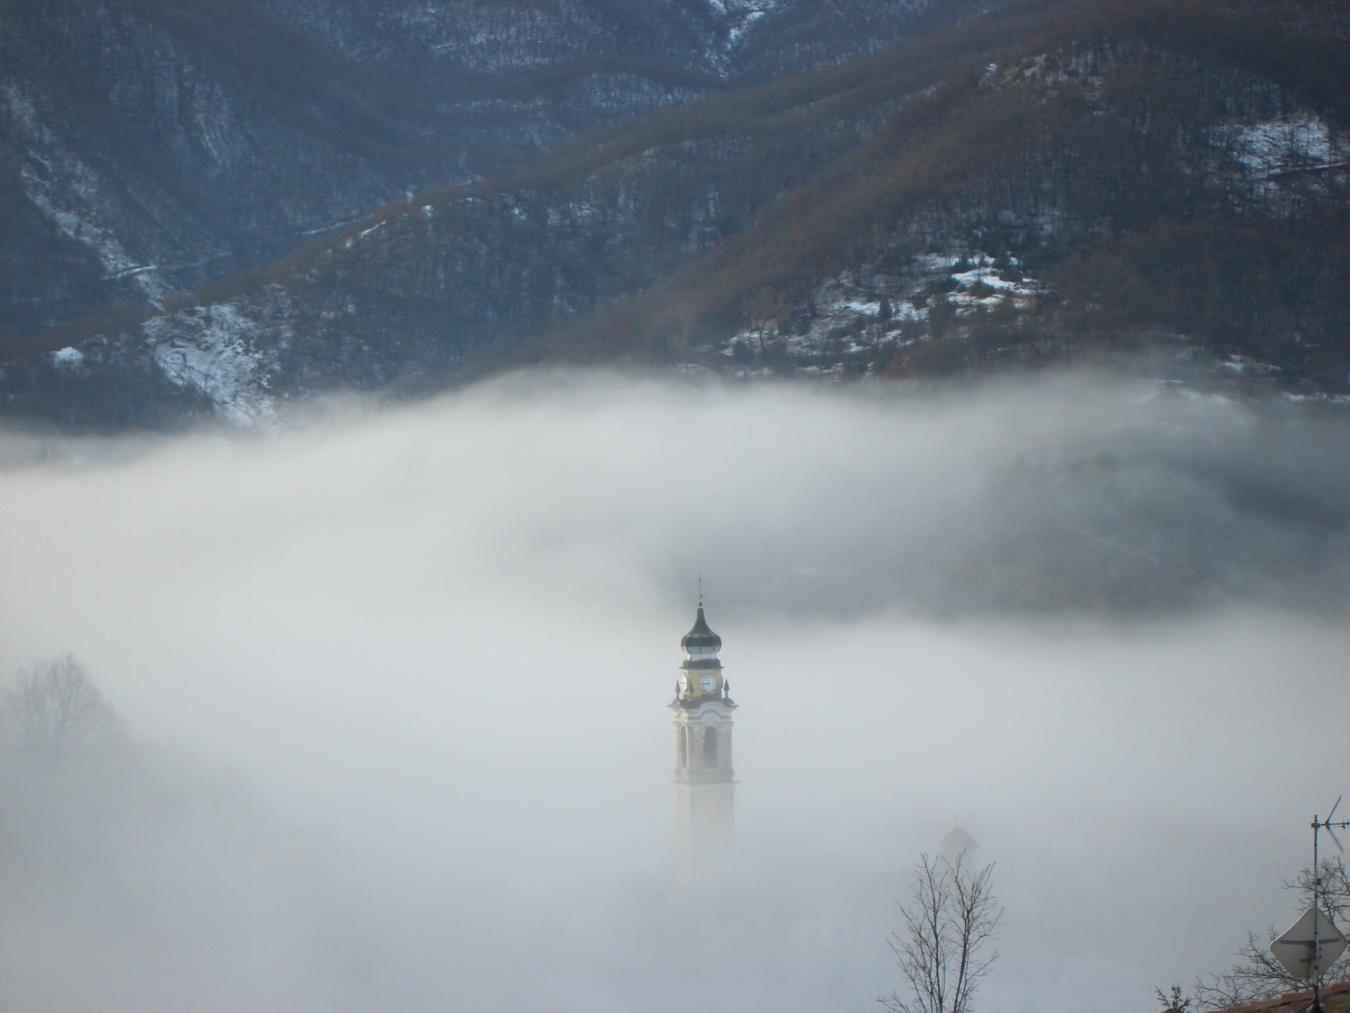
column 710, row 748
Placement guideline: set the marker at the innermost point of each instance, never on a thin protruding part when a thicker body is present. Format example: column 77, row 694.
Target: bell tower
column 704, row 779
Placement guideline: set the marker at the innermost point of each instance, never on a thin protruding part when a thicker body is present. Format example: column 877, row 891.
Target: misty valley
column 651, row 506
column 391, row 686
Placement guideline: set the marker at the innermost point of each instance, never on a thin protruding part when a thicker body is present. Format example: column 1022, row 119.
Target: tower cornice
column 722, row 705
column 712, row 664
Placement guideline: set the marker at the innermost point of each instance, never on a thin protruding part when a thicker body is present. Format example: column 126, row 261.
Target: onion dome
column 700, row 640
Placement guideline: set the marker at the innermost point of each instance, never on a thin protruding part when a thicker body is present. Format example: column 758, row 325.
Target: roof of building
column 958, row 842
column 1335, row 999
column 701, row 637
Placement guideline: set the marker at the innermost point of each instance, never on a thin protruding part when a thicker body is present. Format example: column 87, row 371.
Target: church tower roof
column 700, row 639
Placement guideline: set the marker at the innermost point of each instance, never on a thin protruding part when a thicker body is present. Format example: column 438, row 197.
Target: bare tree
column 1258, row 975
column 942, row 950
column 1174, row 1001
column 56, row 709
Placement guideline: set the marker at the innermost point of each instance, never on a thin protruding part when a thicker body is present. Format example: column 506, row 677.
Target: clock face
column 708, row 684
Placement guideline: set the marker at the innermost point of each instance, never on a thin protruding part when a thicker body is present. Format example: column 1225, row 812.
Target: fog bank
column 397, row 680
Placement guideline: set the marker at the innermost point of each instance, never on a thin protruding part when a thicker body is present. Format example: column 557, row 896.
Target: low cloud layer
column 397, row 683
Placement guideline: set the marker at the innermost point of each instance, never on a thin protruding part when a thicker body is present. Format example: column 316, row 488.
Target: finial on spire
column 700, row 590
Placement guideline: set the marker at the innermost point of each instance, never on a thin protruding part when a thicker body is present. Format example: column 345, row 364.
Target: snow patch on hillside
column 69, row 356
column 988, row 285
column 215, row 350
column 1278, row 161
column 362, row 235
column 857, row 319
column 1299, row 148
column 71, row 195
column 1298, row 141
column 740, row 17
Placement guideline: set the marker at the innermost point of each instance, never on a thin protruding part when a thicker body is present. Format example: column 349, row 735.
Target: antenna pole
column 1313, row 969
column 1317, row 921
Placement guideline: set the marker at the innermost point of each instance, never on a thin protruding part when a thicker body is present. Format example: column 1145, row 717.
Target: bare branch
column 1174, row 1001
column 951, row 918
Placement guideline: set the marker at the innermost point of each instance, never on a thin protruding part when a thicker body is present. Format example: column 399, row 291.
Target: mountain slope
column 1156, row 171
column 148, row 145
column 1047, row 180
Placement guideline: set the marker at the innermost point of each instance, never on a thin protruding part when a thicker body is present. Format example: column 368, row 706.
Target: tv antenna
column 1313, row 943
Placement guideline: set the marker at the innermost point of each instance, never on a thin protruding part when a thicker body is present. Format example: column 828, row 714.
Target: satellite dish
column 1314, row 931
